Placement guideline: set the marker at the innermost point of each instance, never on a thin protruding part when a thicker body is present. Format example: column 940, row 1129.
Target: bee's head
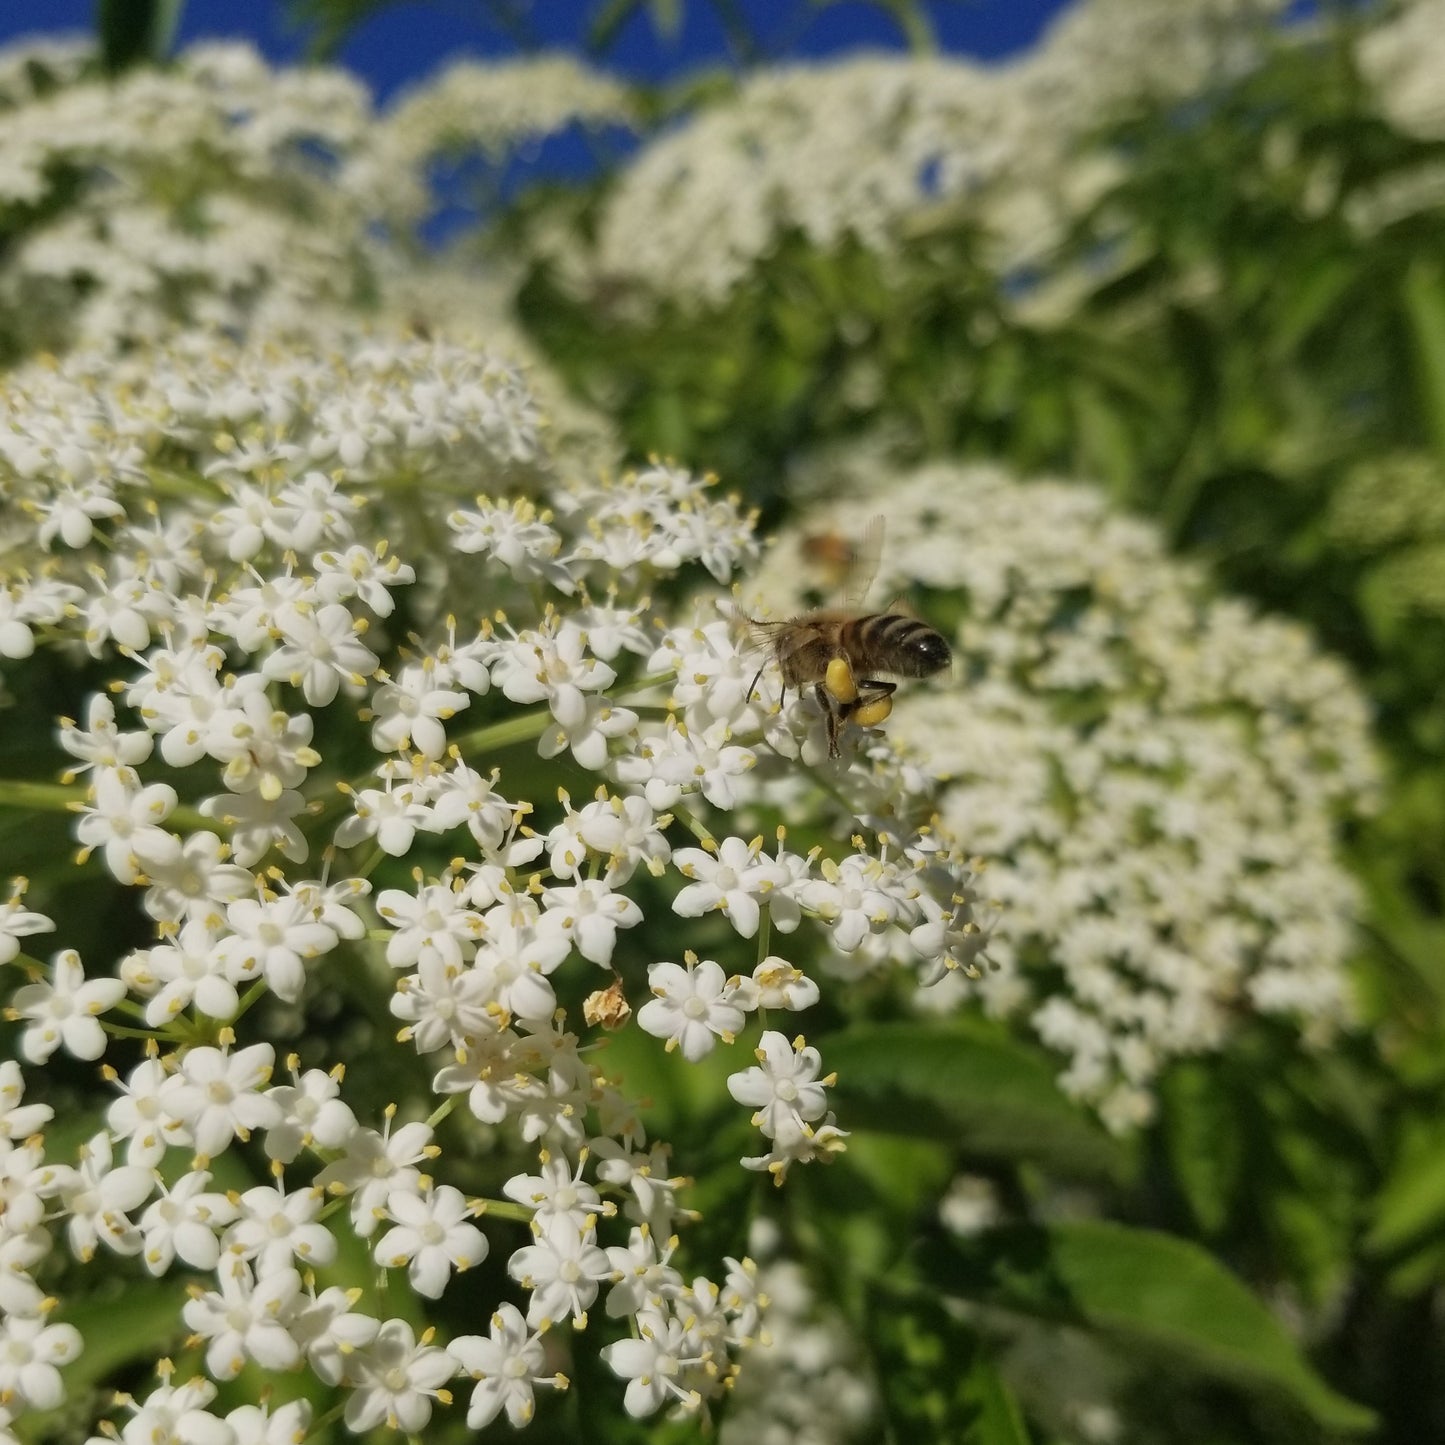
column 927, row 652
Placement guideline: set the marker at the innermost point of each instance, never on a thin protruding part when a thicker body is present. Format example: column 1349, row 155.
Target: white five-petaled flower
column 320, row 649
column 564, row 1270
column 655, row 1363
column 63, row 1011
column 678, row 760
column 273, row 939
column 247, row 1318
column 783, row 1087
column 17, row 923
column 432, row 1235
column 396, row 1379
column 507, row 1366
column 101, row 745
column 188, row 970
column 559, row 1196
column 374, row 1165
column 97, row 1196
column 18, row 1120
column 434, row 922
column 693, row 1008
column 776, row 983
column 312, row 1112
column 274, row 1229
column 591, row 913
column 409, row 710
column 30, row 1353
column 216, row 1095
column 124, row 821
column 184, row 1223
column 736, row 880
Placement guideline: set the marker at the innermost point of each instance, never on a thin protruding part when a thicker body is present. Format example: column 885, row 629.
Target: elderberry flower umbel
column 1156, row 774
column 389, row 739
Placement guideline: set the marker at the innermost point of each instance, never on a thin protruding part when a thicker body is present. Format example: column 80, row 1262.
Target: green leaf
column 132, row 31
column 123, row 1325
column 933, row 1374
column 1412, row 1201
column 1146, row 1292
column 982, row 1092
column 1424, row 298
column 1204, row 1141
column 997, row 1419
column 608, row 22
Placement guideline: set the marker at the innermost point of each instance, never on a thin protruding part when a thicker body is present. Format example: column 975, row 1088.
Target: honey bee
column 839, row 652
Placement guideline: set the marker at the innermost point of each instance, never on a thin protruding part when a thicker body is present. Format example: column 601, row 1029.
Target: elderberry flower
column 431, row 1236
column 171, row 1415
column 247, row 1318
column 1172, row 849
column 124, row 822
column 63, row 1012
column 559, row 1197
column 373, row 1165
column 96, row 1198
column 184, row 1223
column 274, row 1229
column 591, row 913
column 657, row 1364
column 216, row 1095
column 692, row 1007
column 312, row 1114
column 397, row 1378
column 17, row 1120
column 17, row 923
column 101, row 745
column 507, row 1365
column 733, row 882
column 783, row 1086
column 563, row 1269
column 30, row 1353
column 300, row 664
column 274, row 939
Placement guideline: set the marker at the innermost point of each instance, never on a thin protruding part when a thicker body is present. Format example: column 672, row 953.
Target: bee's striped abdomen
column 893, row 642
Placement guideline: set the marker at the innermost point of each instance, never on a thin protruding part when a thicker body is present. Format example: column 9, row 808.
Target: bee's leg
column 832, row 717
column 753, row 685
column 875, row 703
column 839, row 681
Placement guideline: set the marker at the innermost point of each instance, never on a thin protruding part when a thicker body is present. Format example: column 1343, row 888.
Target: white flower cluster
column 805, row 1382
column 1404, row 59
column 493, row 109
column 309, row 768
column 215, row 191
column 221, row 193
column 1155, row 775
column 855, row 149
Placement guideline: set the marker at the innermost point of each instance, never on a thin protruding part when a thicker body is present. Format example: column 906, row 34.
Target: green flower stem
column 250, row 997
column 765, row 933
column 123, row 1031
column 505, row 1209
column 442, row 1110
column 321, row 1426
column 694, row 825
column 48, row 797
column 503, row 734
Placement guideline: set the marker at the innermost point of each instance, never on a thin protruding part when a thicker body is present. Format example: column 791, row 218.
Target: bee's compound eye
column 930, row 652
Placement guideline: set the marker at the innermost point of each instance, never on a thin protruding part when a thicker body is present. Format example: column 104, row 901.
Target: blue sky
column 409, row 40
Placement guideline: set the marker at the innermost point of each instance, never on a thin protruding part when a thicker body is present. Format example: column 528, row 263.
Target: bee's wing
column 864, row 565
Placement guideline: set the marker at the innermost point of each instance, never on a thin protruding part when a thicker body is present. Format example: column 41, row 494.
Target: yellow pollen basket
column 839, row 681
column 871, row 714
